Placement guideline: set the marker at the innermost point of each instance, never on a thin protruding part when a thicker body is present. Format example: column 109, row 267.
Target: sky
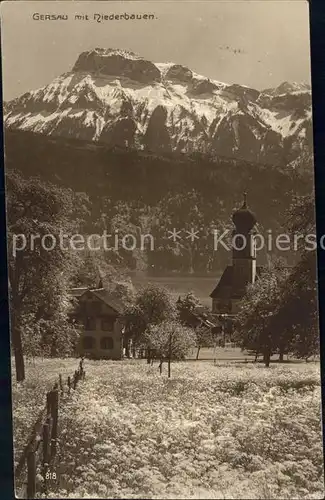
column 272, row 35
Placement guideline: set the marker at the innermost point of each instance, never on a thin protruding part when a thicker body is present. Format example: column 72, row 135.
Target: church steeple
column 245, row 200
column 244, row 251
column 244, row 219
column 232, row 285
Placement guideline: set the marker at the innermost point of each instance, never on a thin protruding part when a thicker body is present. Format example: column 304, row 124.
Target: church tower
column 244, row 248
column 243, row 270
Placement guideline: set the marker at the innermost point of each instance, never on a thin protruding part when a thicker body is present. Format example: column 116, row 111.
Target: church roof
column 224, row 283
column 224, row 288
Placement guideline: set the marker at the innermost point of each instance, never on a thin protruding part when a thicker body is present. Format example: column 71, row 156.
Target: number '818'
column 50, row 475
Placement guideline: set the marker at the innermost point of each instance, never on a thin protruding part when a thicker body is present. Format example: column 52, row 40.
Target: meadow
column 228, row 430
column 28, row 397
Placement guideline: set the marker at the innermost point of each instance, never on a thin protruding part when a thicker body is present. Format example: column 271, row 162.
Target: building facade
column 102, row 333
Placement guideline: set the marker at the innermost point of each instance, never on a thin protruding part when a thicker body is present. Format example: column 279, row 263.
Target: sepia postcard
column 162, row 249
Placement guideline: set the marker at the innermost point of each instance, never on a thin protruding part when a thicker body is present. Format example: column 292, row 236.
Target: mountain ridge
column 121, row 99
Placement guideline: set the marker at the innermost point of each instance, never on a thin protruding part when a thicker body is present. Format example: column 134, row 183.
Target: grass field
column 225, row 431
column 229, row 353
column 29, row 396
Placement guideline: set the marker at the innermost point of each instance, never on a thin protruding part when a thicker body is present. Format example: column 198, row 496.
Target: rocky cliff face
column 119, row 98
column 117, row 62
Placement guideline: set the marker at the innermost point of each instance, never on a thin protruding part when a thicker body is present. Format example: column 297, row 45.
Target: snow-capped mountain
column 119, row 98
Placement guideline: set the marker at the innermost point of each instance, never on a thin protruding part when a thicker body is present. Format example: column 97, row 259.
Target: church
column 242, row 271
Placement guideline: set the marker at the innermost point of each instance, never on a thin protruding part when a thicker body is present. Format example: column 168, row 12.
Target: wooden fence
column 41, row 448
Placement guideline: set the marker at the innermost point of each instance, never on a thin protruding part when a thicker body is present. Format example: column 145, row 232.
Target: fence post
column 46, row 442
column 54, row 415
column 75, row 379
column 31, row 474
column 69, row 384
column 48, row 403
column 61, row 383
column 46, row 450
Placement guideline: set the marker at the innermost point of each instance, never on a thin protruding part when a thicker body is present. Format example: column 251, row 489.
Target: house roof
column 225, row 287
column 102, row 294
column 108, row 299
column 77, row 292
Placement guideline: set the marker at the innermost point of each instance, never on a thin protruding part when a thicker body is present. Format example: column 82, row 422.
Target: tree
column 299, row 298
column 170, row 340
column 204, row 338
column 39, row 272
column 279, row 312
column 58, row 337
column 297, row 314
column 254, row 329
column 92, row 270
column 135, row 326
column 186, row 306
column 152, row 306
column 156, row 303
column 189, row 213
column 121, row 219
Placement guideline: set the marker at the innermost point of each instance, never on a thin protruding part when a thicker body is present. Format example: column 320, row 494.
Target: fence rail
column 41, row 446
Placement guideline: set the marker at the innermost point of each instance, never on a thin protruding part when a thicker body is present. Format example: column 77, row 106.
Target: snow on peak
column 127, row 54
column 287, row 88
column 164, row 67
column 116, row 96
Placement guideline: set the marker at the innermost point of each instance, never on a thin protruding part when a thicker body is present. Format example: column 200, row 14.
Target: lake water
column 180, row 285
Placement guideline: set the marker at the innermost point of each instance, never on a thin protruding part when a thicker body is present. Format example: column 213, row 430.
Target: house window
column 90, row 324
column 88, row 342
column 107, row 324
column 106, row 343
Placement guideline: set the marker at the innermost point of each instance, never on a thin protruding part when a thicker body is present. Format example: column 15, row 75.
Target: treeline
column 40, row 280
column 134, row 192
column 278, row 315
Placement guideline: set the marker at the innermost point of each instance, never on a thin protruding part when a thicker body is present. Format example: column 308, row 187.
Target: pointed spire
column 245, row 200
column 243, row 218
